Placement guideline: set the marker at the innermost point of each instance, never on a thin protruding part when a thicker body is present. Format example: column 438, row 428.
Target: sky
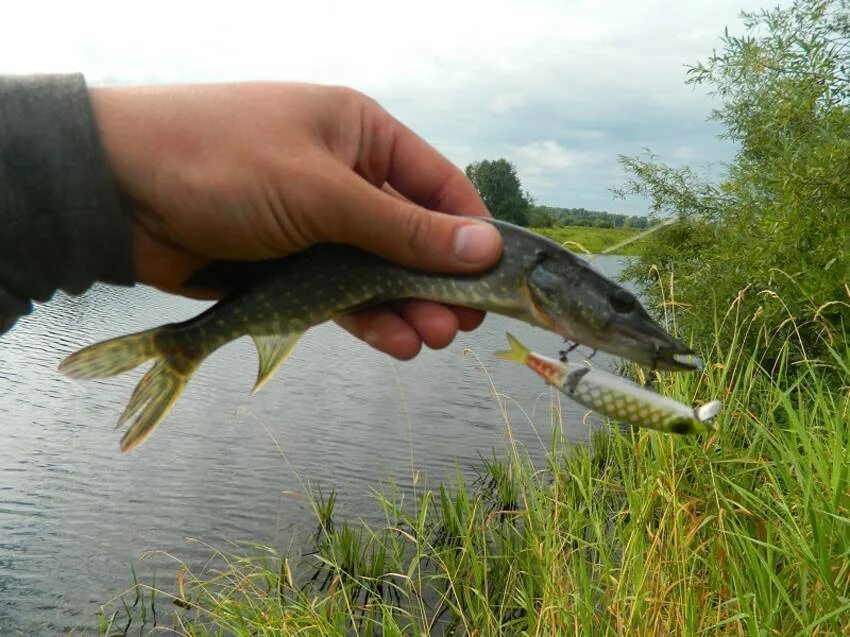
column 559, row 88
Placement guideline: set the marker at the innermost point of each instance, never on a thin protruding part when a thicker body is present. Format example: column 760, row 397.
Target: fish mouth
column 680, row 361
column 640, row 341
column 651, row 345
column 689, row 361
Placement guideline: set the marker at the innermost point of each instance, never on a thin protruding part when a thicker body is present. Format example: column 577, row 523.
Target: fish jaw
column 642, row 341
column 633, row 338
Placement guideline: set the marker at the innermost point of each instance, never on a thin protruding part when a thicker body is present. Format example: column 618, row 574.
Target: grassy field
column 591, row 240
column 742, row 532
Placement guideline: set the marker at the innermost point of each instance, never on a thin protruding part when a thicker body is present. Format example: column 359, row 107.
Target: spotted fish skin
column 275, row 302
column 614, row 396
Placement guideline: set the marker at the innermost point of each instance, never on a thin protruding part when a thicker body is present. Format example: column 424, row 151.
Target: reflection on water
column 75, row 514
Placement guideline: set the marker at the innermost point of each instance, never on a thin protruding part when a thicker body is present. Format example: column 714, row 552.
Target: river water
column 75, row 514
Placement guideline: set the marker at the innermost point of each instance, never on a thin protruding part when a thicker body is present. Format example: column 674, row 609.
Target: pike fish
column 275, row 302
column 614, row 396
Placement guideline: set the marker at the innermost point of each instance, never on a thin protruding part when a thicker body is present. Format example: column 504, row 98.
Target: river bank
column 744, row 531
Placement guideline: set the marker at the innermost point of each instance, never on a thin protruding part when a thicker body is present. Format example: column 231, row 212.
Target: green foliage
column 541, row 217
column 776, row 229
column 500, row 188
column 550, row 217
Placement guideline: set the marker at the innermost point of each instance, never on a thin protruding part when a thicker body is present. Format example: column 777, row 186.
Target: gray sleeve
column 62, row 225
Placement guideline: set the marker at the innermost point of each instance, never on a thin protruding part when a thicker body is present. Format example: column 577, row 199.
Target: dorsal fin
column 272, row 351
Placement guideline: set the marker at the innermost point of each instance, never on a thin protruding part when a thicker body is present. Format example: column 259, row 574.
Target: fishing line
column 637, row 237
column 622, row 244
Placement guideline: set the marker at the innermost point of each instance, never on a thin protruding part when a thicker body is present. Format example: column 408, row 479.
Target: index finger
column 393, row 153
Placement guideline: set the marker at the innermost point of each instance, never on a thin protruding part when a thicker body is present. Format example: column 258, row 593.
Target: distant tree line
column 501, row 189
column 551, row 217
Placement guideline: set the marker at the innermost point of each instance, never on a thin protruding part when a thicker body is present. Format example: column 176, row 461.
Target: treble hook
column 562, row 355
column 652, row 374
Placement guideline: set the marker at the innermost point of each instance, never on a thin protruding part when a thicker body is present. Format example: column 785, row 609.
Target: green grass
column 584, row 239
column 742, row 532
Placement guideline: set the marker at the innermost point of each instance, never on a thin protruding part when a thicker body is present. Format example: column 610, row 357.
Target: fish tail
column 518, row 352
column 159, row 387
column 111, row 357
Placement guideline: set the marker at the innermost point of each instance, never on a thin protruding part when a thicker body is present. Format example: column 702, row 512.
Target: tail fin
column 111, row 357
column 517, row 353
column 155, row 393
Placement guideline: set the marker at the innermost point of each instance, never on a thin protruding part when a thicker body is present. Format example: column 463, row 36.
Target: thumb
column 404, row 232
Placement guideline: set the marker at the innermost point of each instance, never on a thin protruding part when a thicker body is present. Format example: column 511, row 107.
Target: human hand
column 258, row 171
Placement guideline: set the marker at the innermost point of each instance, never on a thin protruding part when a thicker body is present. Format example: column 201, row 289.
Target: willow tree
column 774, row 232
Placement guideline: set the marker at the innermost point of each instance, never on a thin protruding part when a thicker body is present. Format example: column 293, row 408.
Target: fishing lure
column 614, row 396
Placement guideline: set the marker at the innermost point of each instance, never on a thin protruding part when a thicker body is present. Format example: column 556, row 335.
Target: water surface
column 75, row 513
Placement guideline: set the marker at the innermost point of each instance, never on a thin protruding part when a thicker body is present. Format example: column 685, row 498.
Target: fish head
column 576, row 301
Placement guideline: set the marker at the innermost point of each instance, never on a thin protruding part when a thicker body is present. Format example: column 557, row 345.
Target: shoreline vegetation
column 741, row 532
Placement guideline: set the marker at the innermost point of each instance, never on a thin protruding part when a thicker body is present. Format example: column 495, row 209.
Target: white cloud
column 545, row 164
column 504, row 103
column 546, row 155
column 593, row 78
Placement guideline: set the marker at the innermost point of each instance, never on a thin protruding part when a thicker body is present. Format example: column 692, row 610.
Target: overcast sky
column 560, row 88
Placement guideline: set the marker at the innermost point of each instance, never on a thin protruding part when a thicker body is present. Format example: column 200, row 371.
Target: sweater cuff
column 62, row 225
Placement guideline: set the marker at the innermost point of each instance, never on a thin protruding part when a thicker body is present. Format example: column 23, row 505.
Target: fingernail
column 476, row 242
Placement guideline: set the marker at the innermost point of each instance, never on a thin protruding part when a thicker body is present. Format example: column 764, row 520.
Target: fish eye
column 623, row 302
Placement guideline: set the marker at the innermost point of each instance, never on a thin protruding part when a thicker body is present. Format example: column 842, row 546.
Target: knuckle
column 356, row 104
column 345, row 97
column 416, row 228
